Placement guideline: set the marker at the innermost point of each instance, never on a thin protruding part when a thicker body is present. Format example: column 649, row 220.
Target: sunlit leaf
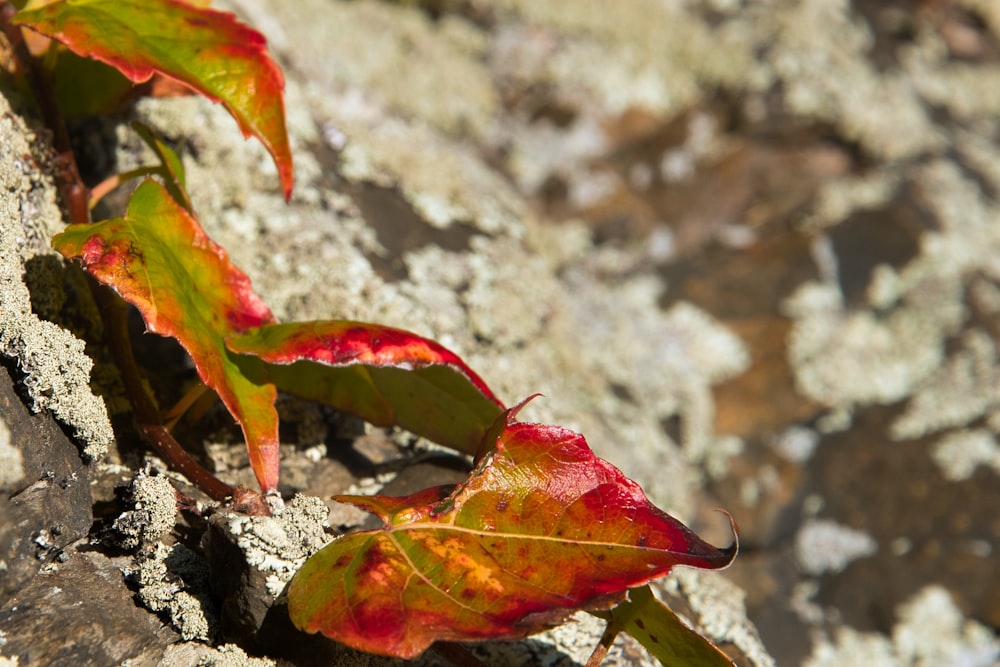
column 210, row 51
column 172, row 169
column 385, row 375
column 662, row 633
column 160, row 260
column 541, row 528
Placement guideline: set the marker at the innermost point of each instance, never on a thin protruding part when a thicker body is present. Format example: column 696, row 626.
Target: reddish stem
column 148, row 422
column 602, row 648
column 166, row 446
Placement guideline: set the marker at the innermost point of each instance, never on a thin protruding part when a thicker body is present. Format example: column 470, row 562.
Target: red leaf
column 541, row 528
column 387, row 376
column 159, row 259
column 210, row 51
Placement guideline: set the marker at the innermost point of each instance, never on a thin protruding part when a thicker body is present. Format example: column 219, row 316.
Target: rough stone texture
column 47, row 505
column 56, row 371
column 175, row 581
column 253, row 558
column 83, row 605
column 154, row 511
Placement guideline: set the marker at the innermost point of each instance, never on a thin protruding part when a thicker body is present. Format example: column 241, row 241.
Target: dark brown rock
column 50, row 506
column 80, row 612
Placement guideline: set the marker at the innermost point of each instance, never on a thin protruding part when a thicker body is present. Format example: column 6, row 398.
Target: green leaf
column 159, row 259
column 86, row 87
column 210, row 51
column 662, row 633
column 172, row 169
column 541, row 528
column 386, row 376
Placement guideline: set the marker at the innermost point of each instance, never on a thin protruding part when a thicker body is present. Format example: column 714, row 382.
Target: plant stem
column 71, row 187
column 101, row 190
column 192, row 396
column 147, row 416
column 603, row 646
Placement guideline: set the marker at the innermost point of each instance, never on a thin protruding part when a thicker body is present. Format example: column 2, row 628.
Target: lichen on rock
column 11, row 460
column 278, row 545
column 55, row 366
column 153, row 513
column 931, row 631
column 823, row 546
column 176, row 581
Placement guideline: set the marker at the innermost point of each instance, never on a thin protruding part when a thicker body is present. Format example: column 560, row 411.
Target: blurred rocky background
column 751, row 249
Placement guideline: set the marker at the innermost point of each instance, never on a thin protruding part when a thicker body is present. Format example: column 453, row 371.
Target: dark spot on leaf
column 640, row 624
column 653, row 639
column 468, row 594
column 642, row 541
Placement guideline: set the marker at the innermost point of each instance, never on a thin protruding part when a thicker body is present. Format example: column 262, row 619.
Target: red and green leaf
column 159, row 259
column 207, row 50
column 655, row 626
column 541, row 528
column 386, row 376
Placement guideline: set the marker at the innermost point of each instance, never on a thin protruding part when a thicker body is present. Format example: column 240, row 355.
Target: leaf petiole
column 102, row 189
column 601, row 650
column 189, row 399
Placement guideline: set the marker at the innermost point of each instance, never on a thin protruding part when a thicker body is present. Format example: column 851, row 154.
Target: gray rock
column 55, row 368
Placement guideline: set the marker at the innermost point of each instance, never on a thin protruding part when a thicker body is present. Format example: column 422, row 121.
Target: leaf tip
column 513, row 411
column 733, row 549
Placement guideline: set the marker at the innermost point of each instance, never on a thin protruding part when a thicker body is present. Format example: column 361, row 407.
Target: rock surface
column 80, row 612
column 45, row 502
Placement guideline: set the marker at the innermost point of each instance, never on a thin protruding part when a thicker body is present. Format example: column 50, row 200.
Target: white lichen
column 278, row 545
column 843, row 358
column 823, row 546
column 959, row 454
column 851, row 647
column 55, row 366
column 175, row 581
column 796, row 443
column 189, row 654
column 818, row 52
column 931, row 632
column 958, row 392
column 154, row 511
column 11, row 460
